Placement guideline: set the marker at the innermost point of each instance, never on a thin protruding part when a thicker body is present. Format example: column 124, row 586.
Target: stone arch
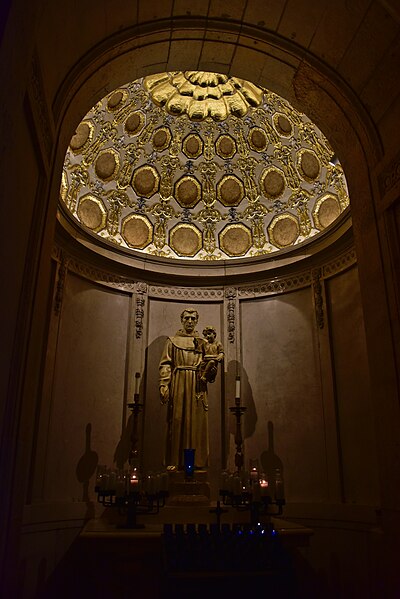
column 259, row 56
column 271, row 61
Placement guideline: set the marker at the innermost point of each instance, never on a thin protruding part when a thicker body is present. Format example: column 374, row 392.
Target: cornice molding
column 270, row 286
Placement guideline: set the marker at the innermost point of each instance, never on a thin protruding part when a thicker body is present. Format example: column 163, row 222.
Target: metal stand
column 237, row 410
column 129, row 492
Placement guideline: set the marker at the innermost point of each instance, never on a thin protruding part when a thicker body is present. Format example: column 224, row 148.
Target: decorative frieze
column 141, row 290
column 230, row 295
column 318, row 299
column 276, row 286
column 101, row 277
column 390, row 177
column 203, row 294
column 340, row 263
column 61, row 276
column 188, row 293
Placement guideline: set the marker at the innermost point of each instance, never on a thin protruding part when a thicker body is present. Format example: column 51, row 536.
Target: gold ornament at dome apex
column 201, row 94
column 203, row 166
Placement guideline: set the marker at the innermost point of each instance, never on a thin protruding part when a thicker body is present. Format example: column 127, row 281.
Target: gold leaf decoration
column 199, row 165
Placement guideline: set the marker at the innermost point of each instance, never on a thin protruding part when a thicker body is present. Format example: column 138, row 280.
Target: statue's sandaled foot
column 171, row 468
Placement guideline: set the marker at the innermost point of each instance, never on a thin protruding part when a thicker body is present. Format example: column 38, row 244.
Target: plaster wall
column 356, row 435
column 285, row 422
column 87, row 397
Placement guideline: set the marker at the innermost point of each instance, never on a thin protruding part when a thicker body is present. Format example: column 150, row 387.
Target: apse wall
column 296, row 339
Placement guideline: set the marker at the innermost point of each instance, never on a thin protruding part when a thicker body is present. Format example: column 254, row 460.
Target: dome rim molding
column 220, row 272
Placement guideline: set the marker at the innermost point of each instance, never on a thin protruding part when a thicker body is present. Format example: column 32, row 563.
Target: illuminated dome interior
column 200, row 166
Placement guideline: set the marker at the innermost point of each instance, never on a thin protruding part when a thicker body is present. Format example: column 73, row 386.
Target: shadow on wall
column 270, row 461
column 121, row 453
column 267, row 457
column 85, row 469
column 123, row 448
column 155, row 414
column 152, row 421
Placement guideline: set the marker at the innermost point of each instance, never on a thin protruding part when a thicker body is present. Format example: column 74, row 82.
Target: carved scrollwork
column 230, row 295
column 139, row 314
column 61, row 276
column 318, row 299
column 341, row 263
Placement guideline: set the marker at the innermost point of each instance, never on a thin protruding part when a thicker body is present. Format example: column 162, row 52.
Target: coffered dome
column 200, row 166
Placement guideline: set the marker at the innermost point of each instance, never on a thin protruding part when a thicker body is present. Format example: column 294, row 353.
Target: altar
column 182, row 550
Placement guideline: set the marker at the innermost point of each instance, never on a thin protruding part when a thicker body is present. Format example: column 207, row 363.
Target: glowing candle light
column 134, row 482
column 264, row 484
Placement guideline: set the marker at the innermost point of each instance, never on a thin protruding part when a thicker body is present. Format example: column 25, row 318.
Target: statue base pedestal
column 184, row 491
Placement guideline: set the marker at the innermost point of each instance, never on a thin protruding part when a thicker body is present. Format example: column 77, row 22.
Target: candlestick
column 247, row 493
column 254, row 474
column 237, row 487
column 279, row 491
column 137, row 383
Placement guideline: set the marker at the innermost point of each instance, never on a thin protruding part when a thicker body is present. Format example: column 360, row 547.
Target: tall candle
column 254, row 474
column 137, row 383
column 237, row 391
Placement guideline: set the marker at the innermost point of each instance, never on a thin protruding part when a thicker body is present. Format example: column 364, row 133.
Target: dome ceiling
column 200, row 166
